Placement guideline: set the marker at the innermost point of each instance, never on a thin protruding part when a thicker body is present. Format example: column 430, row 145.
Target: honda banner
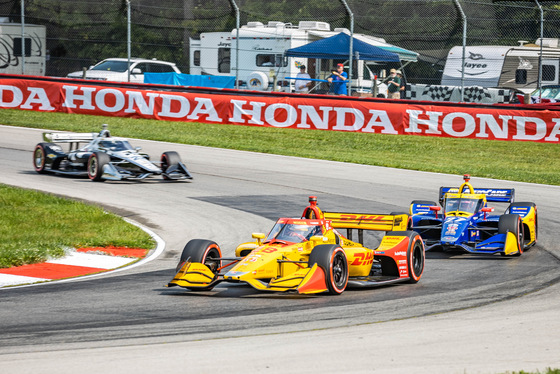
column 287, row 111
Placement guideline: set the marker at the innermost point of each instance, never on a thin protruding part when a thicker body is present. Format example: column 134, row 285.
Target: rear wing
column 376, row 222
column 69, row 137
column 496, row 195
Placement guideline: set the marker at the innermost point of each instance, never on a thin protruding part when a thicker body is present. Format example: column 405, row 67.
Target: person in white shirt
column 302, row 85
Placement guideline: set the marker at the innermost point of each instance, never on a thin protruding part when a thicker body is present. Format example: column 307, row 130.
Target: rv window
column 224, row 60
column 17, row 46
column 549, row 73
column 271, row 60
column 196, row 58
column 521, row 76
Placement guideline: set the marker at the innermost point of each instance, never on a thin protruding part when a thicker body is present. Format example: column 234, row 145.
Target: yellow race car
column 309, row 255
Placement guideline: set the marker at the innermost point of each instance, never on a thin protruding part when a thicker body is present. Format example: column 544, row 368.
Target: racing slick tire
column 512, row 223
column 168, row 159
column 416, row 257
column 534, row 206
column 40, row 157
column 204, row 251
column 95, row 164
column 332, row 259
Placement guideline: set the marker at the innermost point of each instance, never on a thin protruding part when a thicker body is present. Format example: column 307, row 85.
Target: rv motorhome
column 33, row 52
column 504, row 67
column 261, row 55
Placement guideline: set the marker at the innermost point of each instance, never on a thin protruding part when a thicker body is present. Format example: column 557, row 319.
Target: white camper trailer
column 261, row 54
column 33, row 52
column 504, row 67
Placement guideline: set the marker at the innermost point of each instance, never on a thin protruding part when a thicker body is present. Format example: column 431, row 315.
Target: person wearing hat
column 403, row 84
column 338, row 81
column 302, row 85
column 394, row 85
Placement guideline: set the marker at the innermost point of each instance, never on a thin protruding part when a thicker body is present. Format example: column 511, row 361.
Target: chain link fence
column 80, row 33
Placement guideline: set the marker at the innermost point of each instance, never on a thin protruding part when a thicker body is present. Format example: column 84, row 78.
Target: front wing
column 197, row 276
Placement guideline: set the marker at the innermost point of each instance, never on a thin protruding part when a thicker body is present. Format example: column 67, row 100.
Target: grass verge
column 518, row 161
column 547, row 371
column 35, row 226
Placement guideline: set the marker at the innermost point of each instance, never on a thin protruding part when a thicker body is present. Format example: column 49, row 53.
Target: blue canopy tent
column 337, row 47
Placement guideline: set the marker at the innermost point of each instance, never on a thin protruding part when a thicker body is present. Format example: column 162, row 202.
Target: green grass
column 35, row 226
column 518, row 161
column 547, row 371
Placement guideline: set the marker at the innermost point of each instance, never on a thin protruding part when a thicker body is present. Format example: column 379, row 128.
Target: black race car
column 102, row 157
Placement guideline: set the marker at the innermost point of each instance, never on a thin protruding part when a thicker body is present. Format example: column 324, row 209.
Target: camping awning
column 404, row 54
column 337, row 47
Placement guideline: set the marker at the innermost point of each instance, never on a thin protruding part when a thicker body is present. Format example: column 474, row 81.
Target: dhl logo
column 362, row 259
column 364, row 218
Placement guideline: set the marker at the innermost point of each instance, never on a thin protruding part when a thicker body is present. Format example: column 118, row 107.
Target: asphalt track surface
column 468, row 314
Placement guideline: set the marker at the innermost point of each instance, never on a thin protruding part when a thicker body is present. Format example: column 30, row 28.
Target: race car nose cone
column 452, row 229
column 236, row 275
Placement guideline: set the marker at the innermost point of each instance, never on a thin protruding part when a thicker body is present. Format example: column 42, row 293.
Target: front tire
column 332, row 259
column 169, row 159
column 95, row 165
column 40, row 157
column 206, row 252
column 512, row 223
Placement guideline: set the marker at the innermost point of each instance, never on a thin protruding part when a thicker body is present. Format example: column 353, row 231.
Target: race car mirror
column 259, row 236
column 487, row 209
column 435, row 209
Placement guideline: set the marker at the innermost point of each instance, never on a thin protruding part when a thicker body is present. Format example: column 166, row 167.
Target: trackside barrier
column 472, row 94
column 537, row 123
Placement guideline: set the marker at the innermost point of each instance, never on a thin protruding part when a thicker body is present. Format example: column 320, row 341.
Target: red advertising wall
column 289, row 111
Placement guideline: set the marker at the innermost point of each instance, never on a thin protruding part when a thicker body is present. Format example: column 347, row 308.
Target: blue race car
column 464, row 221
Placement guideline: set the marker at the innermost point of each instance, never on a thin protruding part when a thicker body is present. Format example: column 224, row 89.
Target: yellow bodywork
column 511, row 246
column 529, row 221
column 194, row 274
column 278, row 264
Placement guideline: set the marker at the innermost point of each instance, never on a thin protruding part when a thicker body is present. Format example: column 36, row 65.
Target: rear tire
column 203, row 251
column 95, row 165
column 168, row 159
column 415, row 255
column 332, row 259
column 512, row 223
column 534, row 206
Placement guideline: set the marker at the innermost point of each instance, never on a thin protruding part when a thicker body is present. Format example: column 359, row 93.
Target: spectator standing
column 402, row 89
column 302, row 85
column 394, row 85
column 338, row 81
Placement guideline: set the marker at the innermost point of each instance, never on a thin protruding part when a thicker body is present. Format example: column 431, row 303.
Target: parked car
column 116, row 70
column 547, row 94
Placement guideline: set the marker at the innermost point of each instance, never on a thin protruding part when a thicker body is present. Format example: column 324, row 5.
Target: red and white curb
column 83, row 263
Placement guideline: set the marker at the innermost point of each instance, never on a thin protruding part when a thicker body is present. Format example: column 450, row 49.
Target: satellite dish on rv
column 257, row 80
